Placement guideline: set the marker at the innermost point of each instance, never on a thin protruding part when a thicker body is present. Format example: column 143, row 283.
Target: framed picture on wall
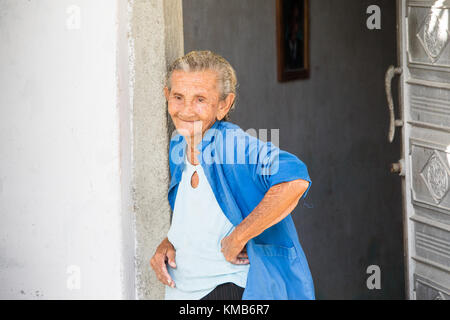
column 293, row 39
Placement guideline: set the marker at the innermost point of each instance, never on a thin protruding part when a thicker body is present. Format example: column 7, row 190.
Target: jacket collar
column 207, row 138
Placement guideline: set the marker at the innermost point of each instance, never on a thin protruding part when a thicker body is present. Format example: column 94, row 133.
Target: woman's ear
column 166, row 93
column 225, row 105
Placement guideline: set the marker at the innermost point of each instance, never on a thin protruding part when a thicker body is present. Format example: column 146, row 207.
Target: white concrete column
column 83, row 146
column 66, row 228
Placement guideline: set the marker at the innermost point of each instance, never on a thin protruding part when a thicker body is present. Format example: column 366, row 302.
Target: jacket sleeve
column 274, row 166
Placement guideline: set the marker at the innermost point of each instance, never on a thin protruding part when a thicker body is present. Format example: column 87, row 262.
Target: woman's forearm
column 276, row 205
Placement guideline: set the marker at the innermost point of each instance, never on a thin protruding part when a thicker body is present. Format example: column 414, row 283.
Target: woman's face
column 194, row 102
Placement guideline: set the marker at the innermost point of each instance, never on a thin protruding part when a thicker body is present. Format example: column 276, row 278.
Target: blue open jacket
column 278, row 267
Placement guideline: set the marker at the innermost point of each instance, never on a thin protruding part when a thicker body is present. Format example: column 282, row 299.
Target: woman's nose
column 188, row 109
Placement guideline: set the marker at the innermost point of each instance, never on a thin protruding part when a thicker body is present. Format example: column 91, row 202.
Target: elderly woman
column 231, row 235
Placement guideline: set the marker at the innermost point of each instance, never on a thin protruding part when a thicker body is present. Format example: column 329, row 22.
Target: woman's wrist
column 239, row 236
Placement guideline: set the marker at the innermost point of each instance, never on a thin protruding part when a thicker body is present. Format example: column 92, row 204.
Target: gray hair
column 207, row 60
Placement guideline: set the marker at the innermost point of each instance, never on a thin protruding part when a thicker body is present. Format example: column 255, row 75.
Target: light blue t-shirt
column 198, row 226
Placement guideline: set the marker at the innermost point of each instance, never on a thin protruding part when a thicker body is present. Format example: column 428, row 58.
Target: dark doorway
column 336, row 122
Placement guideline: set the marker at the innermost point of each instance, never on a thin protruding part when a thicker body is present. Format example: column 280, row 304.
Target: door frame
column 405, row 150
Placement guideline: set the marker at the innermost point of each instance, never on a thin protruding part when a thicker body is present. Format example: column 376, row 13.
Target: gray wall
column 336, row 122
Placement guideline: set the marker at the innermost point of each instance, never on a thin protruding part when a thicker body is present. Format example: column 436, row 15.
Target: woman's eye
column 201, row 100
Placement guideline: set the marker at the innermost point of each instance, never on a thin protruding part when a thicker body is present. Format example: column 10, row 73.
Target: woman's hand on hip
column 234, row 251
column 165, row 253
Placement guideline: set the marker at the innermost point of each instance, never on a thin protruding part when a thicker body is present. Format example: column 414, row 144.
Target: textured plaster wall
column 156, row 33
